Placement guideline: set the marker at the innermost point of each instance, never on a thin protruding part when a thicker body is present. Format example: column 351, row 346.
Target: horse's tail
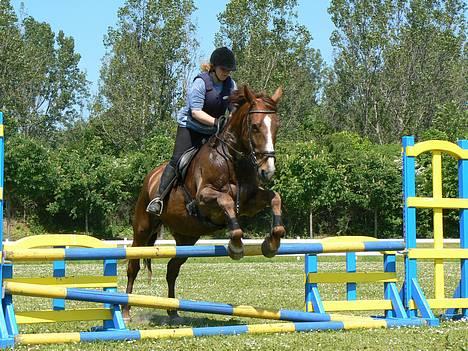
column 151, row 241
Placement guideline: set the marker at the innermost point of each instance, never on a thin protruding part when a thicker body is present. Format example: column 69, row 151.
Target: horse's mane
column 237, row 98
column 240, row 106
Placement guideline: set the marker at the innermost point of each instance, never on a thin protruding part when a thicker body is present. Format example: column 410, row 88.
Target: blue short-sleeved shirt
column 195, row 102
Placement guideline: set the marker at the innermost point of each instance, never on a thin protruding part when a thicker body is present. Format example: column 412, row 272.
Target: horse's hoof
column 235, row 253
column 266, row 249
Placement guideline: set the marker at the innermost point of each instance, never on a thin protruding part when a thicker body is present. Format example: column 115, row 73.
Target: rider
column 200, row 118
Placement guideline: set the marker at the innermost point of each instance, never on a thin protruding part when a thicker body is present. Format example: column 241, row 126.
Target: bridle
column 252, row 155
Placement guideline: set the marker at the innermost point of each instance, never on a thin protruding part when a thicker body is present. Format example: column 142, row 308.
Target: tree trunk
column 86, row 222
column 376, row 223
column 311, row 224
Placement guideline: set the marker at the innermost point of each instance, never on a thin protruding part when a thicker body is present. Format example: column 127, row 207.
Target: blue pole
column 409, row 222
column 463, row 193
column 6, row 328
column 2, row 164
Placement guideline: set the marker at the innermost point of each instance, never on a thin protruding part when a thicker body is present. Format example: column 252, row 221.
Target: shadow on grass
column 159, row 320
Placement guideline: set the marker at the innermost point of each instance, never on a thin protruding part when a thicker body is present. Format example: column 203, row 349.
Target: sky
column 87, row 21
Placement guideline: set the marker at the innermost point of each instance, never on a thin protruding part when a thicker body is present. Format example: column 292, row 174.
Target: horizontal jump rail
column 55, row 338
column 47, row 291
column 194, row 251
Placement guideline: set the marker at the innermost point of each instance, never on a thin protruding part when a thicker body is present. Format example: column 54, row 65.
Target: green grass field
column 275, row 283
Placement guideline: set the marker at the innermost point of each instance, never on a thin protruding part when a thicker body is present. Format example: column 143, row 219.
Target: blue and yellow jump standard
column 6, row 331
column 413, row 295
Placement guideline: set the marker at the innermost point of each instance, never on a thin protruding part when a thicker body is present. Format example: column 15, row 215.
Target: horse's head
column 258, row 120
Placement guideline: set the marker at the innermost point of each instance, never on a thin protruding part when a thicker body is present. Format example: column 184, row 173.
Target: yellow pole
column 438, row 225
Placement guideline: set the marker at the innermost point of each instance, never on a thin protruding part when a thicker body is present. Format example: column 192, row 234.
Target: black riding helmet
column 224, row 58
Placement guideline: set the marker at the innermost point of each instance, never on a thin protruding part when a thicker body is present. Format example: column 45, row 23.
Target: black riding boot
column 156, row 205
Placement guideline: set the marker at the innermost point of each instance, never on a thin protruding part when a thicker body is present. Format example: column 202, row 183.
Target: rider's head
column 224, row 58
column 222, row 62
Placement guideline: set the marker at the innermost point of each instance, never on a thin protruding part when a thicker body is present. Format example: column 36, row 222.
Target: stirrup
column 155, row 206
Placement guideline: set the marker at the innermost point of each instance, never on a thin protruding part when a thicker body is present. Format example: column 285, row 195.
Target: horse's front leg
column 271, row 243
column 226, row 203
column 262, row 199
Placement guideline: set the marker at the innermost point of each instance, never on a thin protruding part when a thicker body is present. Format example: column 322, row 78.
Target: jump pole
column 60, row 338
column 194, row 251
column 115, row 298
column 305, row 321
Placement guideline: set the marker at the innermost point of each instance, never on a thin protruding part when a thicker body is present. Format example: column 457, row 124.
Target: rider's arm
column 203, row 117
column 233, row 89
column 197, row 100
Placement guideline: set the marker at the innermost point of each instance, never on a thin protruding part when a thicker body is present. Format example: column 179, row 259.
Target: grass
column 276, row 283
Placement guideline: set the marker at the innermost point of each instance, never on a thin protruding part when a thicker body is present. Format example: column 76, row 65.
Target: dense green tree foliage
column 273, row 50
column 41, row 87
column 345, row 182
column 397, row 61
column 150, row 54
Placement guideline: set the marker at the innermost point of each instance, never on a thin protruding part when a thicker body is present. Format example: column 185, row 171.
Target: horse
column 224, row 180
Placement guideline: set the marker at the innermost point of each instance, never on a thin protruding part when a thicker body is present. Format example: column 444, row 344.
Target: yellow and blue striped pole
column 194, row 251
column 36, row 290
column 59, row 338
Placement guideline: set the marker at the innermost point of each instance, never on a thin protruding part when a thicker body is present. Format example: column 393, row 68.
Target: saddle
column 184, row 162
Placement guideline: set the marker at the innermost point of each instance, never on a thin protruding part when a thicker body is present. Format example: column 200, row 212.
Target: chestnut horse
column 225, row 181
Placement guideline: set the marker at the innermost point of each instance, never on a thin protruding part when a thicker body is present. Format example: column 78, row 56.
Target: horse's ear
column 249, row 95
column 277, row 95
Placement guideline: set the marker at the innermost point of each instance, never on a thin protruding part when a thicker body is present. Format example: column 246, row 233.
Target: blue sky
column 87, row 22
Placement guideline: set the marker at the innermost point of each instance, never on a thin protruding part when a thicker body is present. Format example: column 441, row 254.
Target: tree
column 347, row 183
column 397, row 60
column 29, row 176
column 90, row 185
column 149, row 55
column 41, row 87
column 272, row 49
column 10, row 51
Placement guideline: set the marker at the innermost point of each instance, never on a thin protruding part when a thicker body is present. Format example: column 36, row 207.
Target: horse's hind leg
column 173, row 269
column 145, row 232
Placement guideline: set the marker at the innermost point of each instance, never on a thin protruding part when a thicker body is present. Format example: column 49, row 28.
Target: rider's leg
column 156, row 205
column 185, row 139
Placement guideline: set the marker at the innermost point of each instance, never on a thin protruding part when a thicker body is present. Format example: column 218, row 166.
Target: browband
column 262, row 111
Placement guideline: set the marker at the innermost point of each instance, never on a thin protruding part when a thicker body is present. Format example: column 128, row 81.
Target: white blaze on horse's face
column 269, row 147
column 264, row 127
